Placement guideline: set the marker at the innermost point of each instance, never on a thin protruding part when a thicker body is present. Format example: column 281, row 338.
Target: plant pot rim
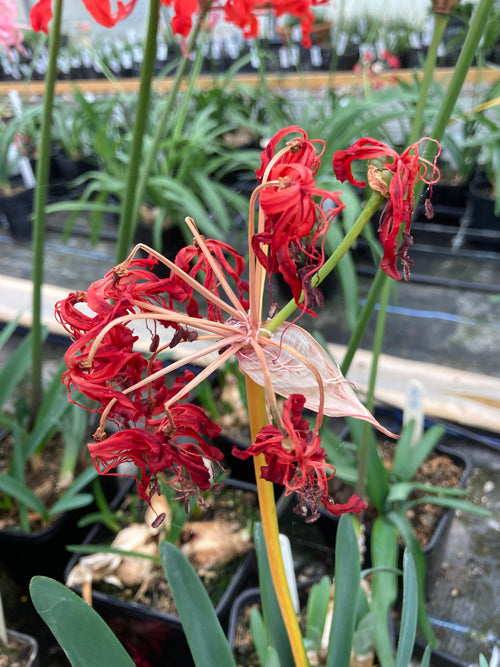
column 141, row 611
column 28, row 639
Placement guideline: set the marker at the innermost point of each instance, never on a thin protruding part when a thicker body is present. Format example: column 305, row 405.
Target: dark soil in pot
column 20, row 651
column 441, row 468
column 42, row 550
column 42, row 477
column 216, row 541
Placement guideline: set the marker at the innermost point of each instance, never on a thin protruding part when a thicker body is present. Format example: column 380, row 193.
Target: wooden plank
column 452, row 394
column 462, row 397
column 287, row 81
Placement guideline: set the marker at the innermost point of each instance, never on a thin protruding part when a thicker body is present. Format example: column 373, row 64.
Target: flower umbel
column 394, row 179
column 243, row 13
column 159, row 430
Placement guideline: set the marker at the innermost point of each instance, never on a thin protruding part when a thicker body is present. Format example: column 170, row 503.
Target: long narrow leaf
column 80, row 631
column 317, row 608
column 8, row 330
column 272, row 658
column 451, row 503
column 18, row 490
column 74, row 429
column 399, row 520
column 409, row 612
column 401, row 490
column 14, row 369
column 347, row 580
column 408, row 458
column 17, row 471
column 74, row 502
column 270, row 607
column 384, row 552
column 209, row 646
column 260, row 635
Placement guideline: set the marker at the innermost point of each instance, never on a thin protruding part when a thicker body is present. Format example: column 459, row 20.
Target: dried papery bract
column 298, row 364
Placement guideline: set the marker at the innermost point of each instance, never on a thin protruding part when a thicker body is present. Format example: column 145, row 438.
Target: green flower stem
column 365, row 216
column 40, row 201
column 127, row 221
column 459, row 75
column 181, row 115
column 136, row 187
column 366, row 439
column 258, row 418
column 364, row 317
column 440, row 22
column 477, row 26
column 378, row 342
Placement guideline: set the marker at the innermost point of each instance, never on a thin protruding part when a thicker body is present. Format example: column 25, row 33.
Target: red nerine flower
column 242, row 13
column 203, row 304
column 404, row 171
column 291, row 239
column 294, row 458
column 177, row 446
column 100, row 10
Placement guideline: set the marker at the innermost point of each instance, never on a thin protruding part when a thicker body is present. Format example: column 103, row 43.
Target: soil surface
column 234, row 506
column 41, row 476
column 437, row 470
column 15, row 654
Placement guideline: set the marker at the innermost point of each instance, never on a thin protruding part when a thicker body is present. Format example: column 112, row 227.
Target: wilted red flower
column 290, row 238
column 402, row 172
column 130, row 386
column 294, row 458
column 177, row 445
column 100, row 10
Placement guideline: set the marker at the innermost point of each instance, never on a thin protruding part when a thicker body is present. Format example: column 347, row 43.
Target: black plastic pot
column 67, row 169
column 15, row 213
column 43, row 552
column 238, row 619
column 482, row 203
column 29, row 656
column 127, row 615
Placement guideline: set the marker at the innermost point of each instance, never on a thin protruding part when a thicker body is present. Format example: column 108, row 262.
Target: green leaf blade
column 347, row 581
column 80, row 631
column 208, row 644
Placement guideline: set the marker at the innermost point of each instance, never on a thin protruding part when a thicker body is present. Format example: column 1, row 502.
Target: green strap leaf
column 80, row 631
column 270, row 608
column 399, row 520
column 347, row 581
column 317, row 609
column 451, row 503
column 259, row 633
column 409, row 612
column 208, row 644
column 384, row 552
column 408, row 457
column 426, row 658
column 18, row 490
column 15, row 369
column 272, row 659
column 73, row 502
